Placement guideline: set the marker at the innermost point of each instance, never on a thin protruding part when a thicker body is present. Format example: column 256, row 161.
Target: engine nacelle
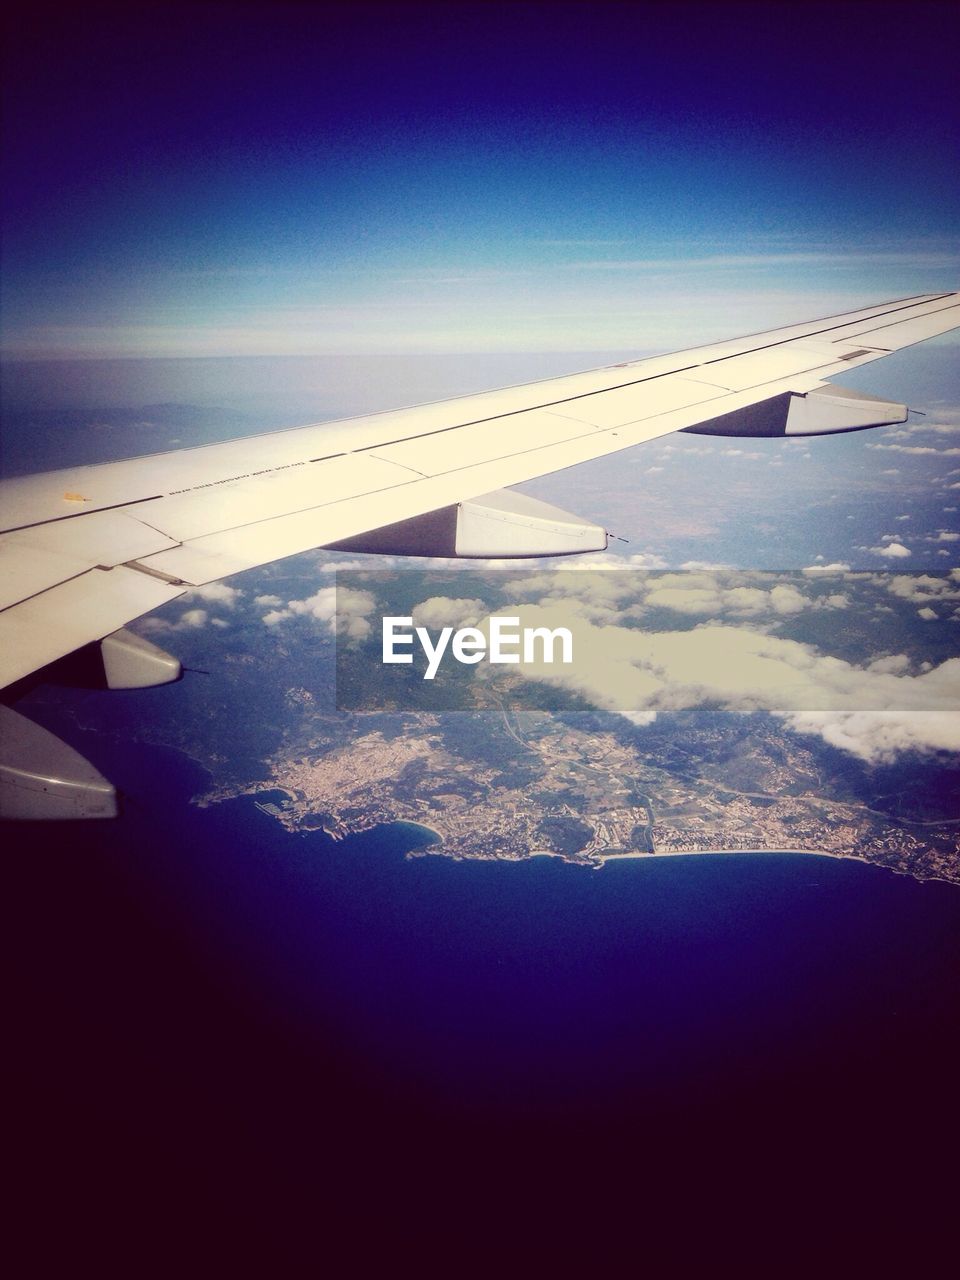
column 501, row 525
column 41, row 777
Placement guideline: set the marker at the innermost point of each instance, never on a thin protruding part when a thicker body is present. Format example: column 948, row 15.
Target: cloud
column 927, row 614
column 891, row 551
column 879, row 737
column 698, row 590
column 443, row 611
column 263, row 601
column 709, row 595
column 342, row 610
column 191, row 620
column 916, row 448
column 321, row 606
column 922, row 428
column 787, row 599
column 601, row 597
column 216, row 593
column 703, row 564
column 837, row 566
column 891, row 663
column 923, row 588
column 873, row 711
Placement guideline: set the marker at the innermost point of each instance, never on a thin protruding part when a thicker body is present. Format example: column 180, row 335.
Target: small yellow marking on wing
column 75, row 497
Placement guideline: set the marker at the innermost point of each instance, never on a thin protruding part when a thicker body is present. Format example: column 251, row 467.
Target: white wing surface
column 86, row 549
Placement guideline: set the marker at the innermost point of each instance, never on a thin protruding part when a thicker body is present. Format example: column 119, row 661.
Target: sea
column 203, row 990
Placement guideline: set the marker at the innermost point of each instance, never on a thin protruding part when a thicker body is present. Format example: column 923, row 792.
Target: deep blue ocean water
column 514, row 987
column 285, row 1036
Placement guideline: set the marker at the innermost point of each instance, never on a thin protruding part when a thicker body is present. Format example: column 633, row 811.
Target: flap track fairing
column 826, row 410
column 501, row 525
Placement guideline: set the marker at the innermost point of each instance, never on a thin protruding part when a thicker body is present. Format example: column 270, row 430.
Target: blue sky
column 243, row 180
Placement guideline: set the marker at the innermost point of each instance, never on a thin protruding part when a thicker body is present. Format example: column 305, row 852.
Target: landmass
column 507, row 784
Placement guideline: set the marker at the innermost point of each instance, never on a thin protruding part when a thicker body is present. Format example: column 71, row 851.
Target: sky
column 242, row 180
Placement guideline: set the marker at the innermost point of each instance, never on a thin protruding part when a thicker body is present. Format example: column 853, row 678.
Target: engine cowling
column 41, row 777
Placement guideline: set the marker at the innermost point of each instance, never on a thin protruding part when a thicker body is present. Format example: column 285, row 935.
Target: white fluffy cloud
column 923, row 587
column 343, row 611
column 190, row 620
column 881, row 736
column 707, row 595
column 873, row 711
column 891, row 663
column 216, row 593
column 891, row 551
column 922, row 429
column 443, row 611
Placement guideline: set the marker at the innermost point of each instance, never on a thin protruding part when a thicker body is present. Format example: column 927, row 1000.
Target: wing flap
column 33, row 560
column 188, row 516
column 87, row 608
column 25, row 571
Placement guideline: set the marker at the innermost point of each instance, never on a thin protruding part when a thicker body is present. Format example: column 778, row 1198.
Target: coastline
column 435, row 842
column 598, row 861
column 603, row 859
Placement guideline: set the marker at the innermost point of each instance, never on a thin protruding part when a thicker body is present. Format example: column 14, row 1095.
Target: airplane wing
column 87, row 549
